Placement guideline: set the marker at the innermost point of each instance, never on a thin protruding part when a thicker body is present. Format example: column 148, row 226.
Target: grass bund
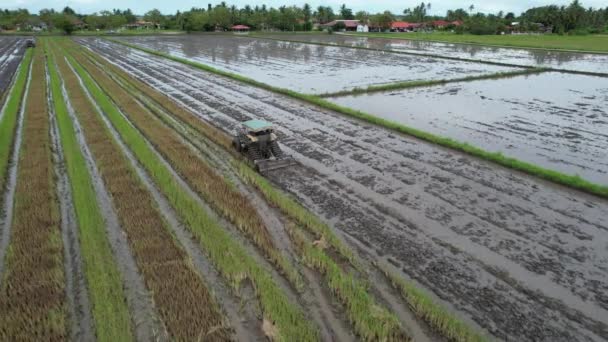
column 572, row 181
column 33, row 301
column 432, row 313
column 347, row 288
column 574, row 43
column 8, row 120
column 104, row 281
column 418, row 84
column 229, row 257
column 197, row 173
column 183, row 301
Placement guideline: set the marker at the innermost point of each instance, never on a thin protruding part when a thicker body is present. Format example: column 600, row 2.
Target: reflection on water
column 556, row 120
column 526, row 57
column 309, row 67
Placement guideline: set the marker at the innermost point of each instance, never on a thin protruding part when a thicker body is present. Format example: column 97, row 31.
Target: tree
column 383, row 21
column 471, row 8
column 155, row 17
column 68, row 11
column 307, row 12
column 362, row 16
column 65, row 22
column 346, row 13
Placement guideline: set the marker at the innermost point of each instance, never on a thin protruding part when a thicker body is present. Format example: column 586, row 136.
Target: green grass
column 109, row 309
column 417, row 84
column 572, row 181
column 8, row 125
column 432, row 313
column 293, row 209
column 588, row 43
column 372, row 322
column 230, row 258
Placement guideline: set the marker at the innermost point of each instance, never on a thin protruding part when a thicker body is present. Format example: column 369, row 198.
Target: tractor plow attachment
column 267, row 165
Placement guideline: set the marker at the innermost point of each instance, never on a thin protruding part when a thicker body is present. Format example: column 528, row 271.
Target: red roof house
column 349, row 25
column 404, row 26
column 240, row 28
column 440, row 23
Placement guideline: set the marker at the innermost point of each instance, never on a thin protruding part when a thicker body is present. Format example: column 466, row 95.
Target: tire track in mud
column 6, row 214
column 79, row 306
column 379, row 179
column 147, row 325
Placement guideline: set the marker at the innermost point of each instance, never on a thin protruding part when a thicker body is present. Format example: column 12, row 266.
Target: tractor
column 257, row 140
column 30, row 43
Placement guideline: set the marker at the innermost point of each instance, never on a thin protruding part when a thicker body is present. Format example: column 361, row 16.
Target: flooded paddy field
column 555, row 120
column 522, row 258
column 11, row 52
column 309, row 68
column 575, row 61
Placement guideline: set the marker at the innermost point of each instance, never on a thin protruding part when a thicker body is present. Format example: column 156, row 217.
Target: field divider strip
column 513, row 47
column 185, row 304
column 472, row 60
column 421, row 304
column 32, row 297
column 419, row 84
column 572, row 181
column 227, row 254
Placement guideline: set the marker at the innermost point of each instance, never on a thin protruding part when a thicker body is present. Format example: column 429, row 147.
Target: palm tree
column 471, row 8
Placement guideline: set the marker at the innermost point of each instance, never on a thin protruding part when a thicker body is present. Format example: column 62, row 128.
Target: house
column 141, row 25
column 457, row 23
column 241, row 29
column 345, row 25
column 362, row 28
column 404, row 26
column 440, row 24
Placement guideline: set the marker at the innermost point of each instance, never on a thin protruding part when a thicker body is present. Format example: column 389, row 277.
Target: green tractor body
column 257, row 140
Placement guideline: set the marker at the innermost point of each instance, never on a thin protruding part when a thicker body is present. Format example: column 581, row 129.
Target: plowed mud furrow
column 10, row 181
column 490, row 241
column 11, row 53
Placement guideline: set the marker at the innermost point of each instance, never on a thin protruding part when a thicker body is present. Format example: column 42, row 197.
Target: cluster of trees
column 565, row 19
column 66, row 20
column 568, row 19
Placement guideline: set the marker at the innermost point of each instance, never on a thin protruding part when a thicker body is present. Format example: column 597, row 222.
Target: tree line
column 573, row 18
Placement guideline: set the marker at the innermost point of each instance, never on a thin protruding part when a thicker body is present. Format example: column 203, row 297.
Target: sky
column 439, row 7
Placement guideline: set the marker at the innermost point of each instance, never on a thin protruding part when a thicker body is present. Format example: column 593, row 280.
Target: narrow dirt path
column 486, row 240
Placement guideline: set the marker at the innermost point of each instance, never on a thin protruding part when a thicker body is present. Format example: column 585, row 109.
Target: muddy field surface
column 562, row 125
column 309, row 68
column 576, row 61
column 11, row 52
column 524, row 259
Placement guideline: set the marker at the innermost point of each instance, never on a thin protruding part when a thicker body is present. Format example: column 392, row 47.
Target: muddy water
column 309, row 68
column 555, row 120
column 523, row 258
column 576, row 61
column 11, row 53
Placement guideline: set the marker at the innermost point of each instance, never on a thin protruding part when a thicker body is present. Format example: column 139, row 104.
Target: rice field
column 127, row 215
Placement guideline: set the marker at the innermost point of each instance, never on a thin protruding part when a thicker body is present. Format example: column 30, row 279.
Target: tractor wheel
column 236, row 143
